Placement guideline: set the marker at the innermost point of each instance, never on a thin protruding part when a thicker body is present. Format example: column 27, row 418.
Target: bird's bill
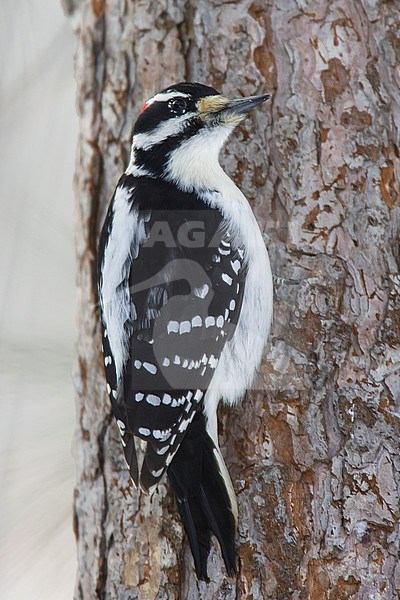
column 242, row 105
column 221, row 105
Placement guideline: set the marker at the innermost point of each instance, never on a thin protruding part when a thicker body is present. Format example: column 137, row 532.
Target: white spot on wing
column 196, row 321
column 236, row 266
column 157, row 473
column 213, row 361
column 227, row 279
column 161, row 435
column 184, row 327
column 198, row 395
column 169, row 458
column 152, row 399
column 166, row 399
column 150, row 368
column 173, row 327
column 183, row 425
column 144, row 431
column 202, row 291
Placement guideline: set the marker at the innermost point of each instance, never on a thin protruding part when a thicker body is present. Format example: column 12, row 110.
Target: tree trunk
column 313, row 449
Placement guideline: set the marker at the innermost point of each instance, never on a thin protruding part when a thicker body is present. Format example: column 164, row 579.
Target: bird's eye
column 177, row 105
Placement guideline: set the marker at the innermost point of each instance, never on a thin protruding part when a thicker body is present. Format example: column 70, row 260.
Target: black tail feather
column 203, row 499
column 198, row 533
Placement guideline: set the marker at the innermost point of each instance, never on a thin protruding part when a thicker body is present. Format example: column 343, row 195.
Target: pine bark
column 313, row 449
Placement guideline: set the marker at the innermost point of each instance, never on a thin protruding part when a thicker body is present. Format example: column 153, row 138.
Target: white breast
column 242, row 354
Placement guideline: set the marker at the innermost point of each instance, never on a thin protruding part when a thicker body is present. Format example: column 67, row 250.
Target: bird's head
column 181, row 130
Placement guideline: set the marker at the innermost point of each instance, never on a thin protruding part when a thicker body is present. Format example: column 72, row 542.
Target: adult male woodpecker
column 185, row 292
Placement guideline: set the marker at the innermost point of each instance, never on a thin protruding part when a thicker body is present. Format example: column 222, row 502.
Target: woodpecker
column 185, row 292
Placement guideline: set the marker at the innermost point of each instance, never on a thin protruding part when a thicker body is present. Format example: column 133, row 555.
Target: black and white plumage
column 186, row 302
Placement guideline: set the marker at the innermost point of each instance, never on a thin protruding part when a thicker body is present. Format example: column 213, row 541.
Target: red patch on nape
column 145, row 105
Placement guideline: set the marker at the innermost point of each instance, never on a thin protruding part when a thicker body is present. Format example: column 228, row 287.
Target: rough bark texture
column 313, row 452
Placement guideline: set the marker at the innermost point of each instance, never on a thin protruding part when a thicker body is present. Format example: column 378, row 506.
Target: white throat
column 194, row 164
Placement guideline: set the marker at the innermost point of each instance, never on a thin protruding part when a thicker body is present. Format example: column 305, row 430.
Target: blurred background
column 38, row 134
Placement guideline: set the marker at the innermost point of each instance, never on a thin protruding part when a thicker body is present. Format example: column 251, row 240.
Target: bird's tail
column 206, row 501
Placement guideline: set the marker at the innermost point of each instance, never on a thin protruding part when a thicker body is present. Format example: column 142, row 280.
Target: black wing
column 186, row 287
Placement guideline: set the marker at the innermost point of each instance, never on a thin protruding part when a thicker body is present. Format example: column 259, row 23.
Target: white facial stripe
column 164, row 96
column 169, row 128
